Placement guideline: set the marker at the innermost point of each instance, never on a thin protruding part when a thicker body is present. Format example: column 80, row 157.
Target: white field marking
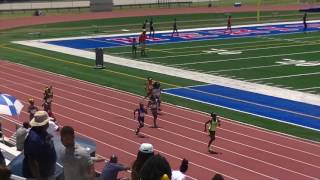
column 246, row 68
column 253, row 103
column 239, row 154
column 174, row 124
column 197, row 112
column 230, row 49
column 150, row 116
column 196, row 76
column 256, row 128
column 212, row 45
column 316, row 87
column 270, row 46
column 167, row 142
column 125, row 30
column 229, row 44
column 66, row 117
column 182, row 30
column 312, row 91
column 288, row 76
column 198, row 140
column 244, row 58
column 159, row 118
column 243, row 112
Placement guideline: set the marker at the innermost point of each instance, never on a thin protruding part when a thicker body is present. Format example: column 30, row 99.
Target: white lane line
column 203, row 114
column 160, row 119
column 281, row 77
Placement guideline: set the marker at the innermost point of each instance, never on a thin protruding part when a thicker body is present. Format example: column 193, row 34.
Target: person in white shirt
column 180, row 174
column 53, row 127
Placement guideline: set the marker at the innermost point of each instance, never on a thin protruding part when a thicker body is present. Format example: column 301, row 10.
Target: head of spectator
column 26, row 125
column 40, row 121
column 5, row 173
column 180, row 174
column 113, row 159
column 156, row 168
column 217, row 177
column 184, row 166
column 67, row 136
column 144, row 153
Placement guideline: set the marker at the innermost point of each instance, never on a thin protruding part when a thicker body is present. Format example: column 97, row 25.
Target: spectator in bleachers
column 111, row 169
column 156, row 168
column 76, row 161
column 217, row 177
column 32, row 109
column 21, row 135
column 144, row 153
column 39, row 152
column 180, row 174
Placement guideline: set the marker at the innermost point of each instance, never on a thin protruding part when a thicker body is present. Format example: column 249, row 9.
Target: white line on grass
column 244, row 58
column 225, row 44
column 288, row 76
column 246, row 68
column 317, row 87
column 253, row 158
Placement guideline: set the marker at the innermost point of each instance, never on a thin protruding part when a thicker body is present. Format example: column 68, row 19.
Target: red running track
column 106, row 116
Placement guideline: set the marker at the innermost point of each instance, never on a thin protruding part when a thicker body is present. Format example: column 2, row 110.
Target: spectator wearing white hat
column 39, row 153
column 144, row 153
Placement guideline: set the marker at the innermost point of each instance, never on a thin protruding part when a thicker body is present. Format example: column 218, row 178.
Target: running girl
column 213, row 123
column 141, row 113
column 153, row 105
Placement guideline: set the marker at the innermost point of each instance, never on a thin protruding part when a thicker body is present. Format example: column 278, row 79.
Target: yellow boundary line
column 84, row 65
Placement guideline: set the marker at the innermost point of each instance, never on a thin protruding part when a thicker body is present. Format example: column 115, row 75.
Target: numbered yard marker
column 221, row 51
column 304, row 63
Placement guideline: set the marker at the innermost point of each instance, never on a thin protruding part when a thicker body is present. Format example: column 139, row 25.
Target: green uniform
column 213, row 126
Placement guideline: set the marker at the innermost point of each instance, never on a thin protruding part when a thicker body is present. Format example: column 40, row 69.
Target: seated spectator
column 180, row 175
column 39, row 153
column 110, row 171
column 76, row 160
column 21, row 135
column 156, row 168
column 144, row 153
column 217, row 177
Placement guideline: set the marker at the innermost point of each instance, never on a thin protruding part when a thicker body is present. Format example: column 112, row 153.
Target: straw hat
column 40, row 118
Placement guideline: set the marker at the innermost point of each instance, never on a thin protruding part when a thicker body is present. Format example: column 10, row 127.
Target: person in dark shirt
column 228, row 25
column 151, row 27
column 175, row 28
column 134, row 47
column 110, row 171
column 304, row 19
column 39, row 153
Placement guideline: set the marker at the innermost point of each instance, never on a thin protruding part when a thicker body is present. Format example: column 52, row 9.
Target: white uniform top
column 177, row 175
column 52, row 129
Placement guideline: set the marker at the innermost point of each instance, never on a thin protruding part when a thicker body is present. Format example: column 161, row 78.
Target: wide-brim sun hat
column 146, row 148
column 40, row 118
